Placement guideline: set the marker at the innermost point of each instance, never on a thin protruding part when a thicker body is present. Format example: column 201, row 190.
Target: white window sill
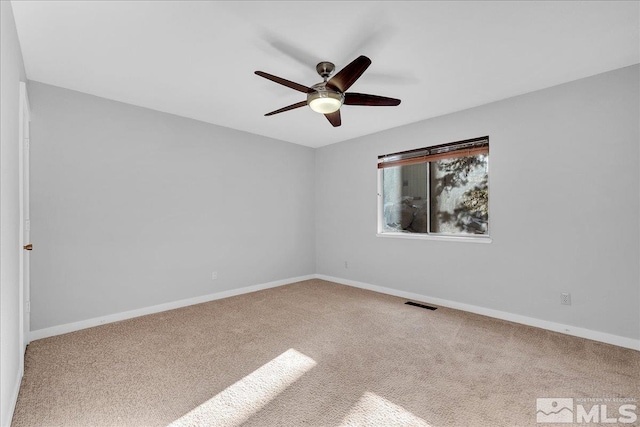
column 474, row 239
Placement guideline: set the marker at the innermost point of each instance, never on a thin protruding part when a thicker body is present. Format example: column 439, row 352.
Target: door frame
column 23, row 168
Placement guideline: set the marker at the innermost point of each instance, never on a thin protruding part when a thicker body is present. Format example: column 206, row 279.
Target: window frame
column 473, row 238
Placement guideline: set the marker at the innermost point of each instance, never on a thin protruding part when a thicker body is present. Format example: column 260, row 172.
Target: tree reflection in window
column 459, row 190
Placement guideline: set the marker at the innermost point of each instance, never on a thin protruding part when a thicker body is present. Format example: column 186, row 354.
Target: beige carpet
column 314, row 353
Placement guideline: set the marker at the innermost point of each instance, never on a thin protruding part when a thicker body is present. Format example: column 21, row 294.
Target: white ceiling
column 196, row 59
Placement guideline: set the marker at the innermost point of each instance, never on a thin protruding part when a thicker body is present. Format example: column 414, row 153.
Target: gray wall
column 564, row 208
column 133, row 208
column 11, row 73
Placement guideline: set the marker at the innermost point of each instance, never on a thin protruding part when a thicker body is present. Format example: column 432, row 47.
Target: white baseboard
column 8, row 417
column 530, row 321
column 97, row 321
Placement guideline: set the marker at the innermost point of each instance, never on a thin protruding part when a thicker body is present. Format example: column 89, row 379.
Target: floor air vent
column 428, row 307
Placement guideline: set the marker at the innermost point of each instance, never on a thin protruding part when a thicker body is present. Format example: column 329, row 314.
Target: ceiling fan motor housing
column 324, row 100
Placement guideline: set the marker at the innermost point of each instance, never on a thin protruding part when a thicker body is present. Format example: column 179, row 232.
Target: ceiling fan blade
column 284, row 82
column 290, row 107
column 370, row 35
column 349, row 74
column 334, row 118
column 352, row 98
column 294, row 52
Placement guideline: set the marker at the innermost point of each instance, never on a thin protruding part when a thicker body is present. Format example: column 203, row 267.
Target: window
column 441, row 190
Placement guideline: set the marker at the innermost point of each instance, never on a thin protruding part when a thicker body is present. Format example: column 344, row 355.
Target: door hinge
column 27, row 225
column 28, row 306
column 27, row 144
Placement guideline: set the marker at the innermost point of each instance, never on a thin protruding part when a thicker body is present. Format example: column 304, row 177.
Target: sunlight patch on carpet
column 375, row 411
column 238, row 402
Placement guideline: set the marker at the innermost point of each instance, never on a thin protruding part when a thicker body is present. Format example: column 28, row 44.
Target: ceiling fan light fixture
column 325, row 101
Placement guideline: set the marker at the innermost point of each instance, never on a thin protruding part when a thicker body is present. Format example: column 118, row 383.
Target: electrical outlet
column 565, row 298
column 346, row 264
column 214, row 275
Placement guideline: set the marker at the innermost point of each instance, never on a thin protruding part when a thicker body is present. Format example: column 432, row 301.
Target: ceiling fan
column 328, row 96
